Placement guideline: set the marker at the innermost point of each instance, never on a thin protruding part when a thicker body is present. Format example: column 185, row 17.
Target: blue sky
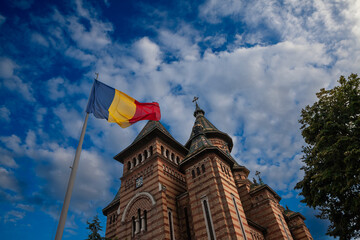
column 253, row 64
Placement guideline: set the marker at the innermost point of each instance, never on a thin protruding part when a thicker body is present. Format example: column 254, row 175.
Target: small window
column 203, row 168
column 193, row 174
column 198, row 171
column 172, row 157
column 222, row 167
column 187, row 224
column 162, row 150
column 145, row 220
column 133, row 226
column 140, row 158
column 209, row 223
column 145, row 154
column 177, row 160
column 167, row 154
column 171, row 224
column 128, row 165
column 134, row 162
column 139, row 218
column 151, row 150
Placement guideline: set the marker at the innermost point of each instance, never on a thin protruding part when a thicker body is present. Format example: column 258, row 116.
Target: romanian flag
column 115, row 106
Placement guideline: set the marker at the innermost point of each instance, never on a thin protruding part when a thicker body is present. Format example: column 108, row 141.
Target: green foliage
column 94, row 228
column 331, row 129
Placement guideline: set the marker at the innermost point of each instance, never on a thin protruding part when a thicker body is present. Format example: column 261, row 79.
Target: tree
column 94, row 228
column 331, row 129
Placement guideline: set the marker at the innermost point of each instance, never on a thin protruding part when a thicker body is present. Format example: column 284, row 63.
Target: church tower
column 193, row 191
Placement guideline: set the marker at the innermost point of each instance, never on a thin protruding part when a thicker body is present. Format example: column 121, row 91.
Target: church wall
column 298, row 229
column 265, row 211
column 111, row 221
column 256, row 234
column 226, row 181
column 218, row 142
column 212, row 186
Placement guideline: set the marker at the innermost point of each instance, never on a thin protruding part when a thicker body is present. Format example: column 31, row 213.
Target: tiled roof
column 151, row 125
column 114, row 201
column 208, row 128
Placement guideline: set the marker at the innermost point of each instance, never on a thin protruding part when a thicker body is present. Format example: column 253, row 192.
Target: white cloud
column 13, row 216
column 2, row 20
column 39, row 39
column 11, row 81
column 52, row 163
column 5, row 114
column 214, row 10
column 25, row 207
column 7, row 67
column 95, row 38
column 7, row 159
column 71, row 120
column 182, row 43
column 56, row 88
column 148, row 53
column 85, row 58
column 8, row 181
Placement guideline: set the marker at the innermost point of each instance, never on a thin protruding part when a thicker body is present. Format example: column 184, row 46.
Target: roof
column 151, row 125
column 264, row 186
column 199, row 140
column 113, row 202
column 150, row 129
column 208, row 128
column 291, row 214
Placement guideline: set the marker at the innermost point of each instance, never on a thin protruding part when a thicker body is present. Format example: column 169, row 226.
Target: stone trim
column 132, row 200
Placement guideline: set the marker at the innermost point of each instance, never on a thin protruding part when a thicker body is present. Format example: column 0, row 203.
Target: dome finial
column 197, row 108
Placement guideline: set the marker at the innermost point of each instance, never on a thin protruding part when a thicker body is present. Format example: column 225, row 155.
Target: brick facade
column 193, row 191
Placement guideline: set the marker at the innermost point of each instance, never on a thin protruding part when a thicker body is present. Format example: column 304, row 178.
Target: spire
column 208, row 128
column 198, row 110
column 199, row 141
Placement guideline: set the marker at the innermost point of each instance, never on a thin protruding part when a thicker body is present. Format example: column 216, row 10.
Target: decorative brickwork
column 194, row 191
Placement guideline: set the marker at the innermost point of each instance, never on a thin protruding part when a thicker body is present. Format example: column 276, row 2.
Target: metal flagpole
column 65, row 207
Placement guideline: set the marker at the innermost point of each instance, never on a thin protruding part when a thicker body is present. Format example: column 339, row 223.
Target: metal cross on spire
column 195, row 99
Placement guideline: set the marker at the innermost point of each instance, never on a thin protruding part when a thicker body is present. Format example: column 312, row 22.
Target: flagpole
column 65, row 207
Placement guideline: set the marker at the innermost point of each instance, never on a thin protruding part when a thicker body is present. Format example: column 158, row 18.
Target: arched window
column 222, row 167
column 139, row 218
column 151, row 150
column 145, row 154
column 209, row 222
column 133, row 226
column 177, row 160
column 128, row 165
column 187, row 224
column 145, row 220
column 172, row 158
column 193, row 174
column 198, row 171
column 134, row 162
column 140, row 158
column 167, row 153
column 110, row 219
column 239, row 217
column 203, row 168
column 162, row 150
column 171, row 224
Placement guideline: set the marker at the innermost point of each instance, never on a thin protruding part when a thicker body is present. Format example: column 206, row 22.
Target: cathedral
column 194, row 191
